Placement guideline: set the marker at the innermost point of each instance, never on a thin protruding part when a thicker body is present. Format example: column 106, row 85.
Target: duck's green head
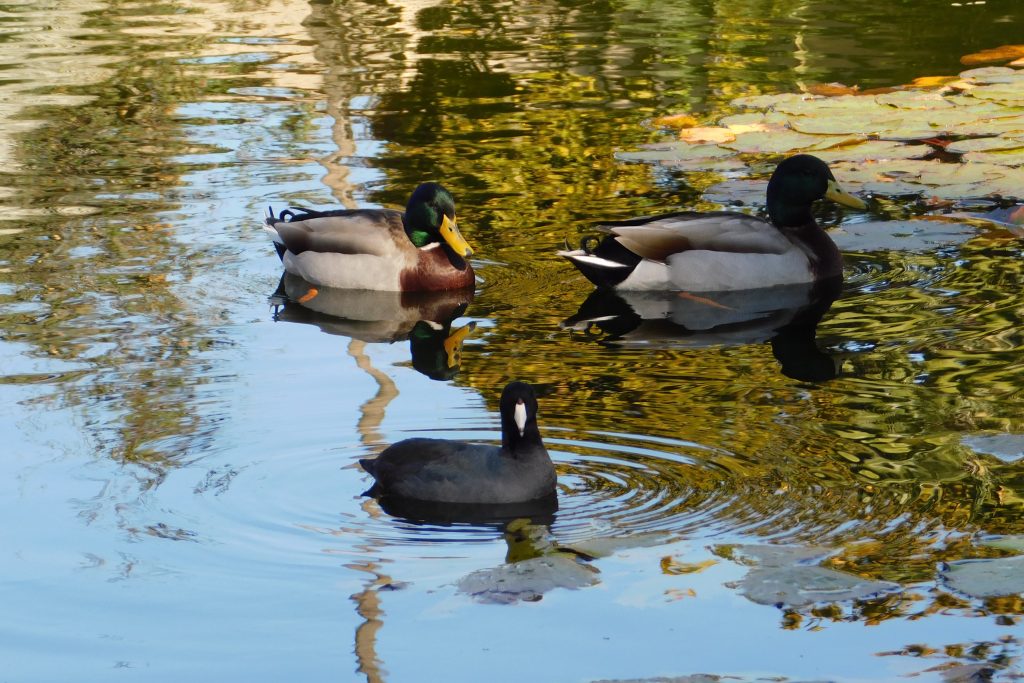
column 430, row 217
column 798, row 182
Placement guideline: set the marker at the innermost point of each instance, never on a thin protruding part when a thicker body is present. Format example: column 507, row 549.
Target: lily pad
column 784, row 141
column 527, row 580
column 675, row 151
column 873, row 150
column 984, row 144
column 914, row 99
column 603, row 547
column 993, row 74
column 1009, row 93
column 1011, row 158
column 767, row 119
column 906, row 236
column 799, row 586
column 768, row 101
column 986, row 578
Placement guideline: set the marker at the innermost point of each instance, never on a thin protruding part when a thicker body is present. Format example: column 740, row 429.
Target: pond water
column 786, row 495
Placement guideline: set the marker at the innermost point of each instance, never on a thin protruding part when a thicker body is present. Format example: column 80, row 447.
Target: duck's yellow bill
column 450, row 232
column 453, row 344
column 840, row 196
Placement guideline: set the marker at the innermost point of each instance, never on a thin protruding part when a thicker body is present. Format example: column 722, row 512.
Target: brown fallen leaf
column 676, row 121
column 832, row 89
column 1003, row 53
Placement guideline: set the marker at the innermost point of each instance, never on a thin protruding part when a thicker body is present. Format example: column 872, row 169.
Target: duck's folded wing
column 355, row 232
column 727, row 231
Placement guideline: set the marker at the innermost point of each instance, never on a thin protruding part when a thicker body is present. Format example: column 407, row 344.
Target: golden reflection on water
column 521, row 118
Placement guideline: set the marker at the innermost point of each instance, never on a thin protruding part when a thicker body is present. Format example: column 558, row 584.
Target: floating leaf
column 799, row 586
column 907, row 236
column 914, row 99
column 1009, row 93
column 675, row 151
column 763, row 121
column 1011, row 158
column 993, row 74
column 783, row 141
column 767, row 101
column 676, row 121
column 707, row 134
column 984, row 144
column 987, row 578
column 527, row 580
column 873, row 150
column 603, row 547
column 1004, row 53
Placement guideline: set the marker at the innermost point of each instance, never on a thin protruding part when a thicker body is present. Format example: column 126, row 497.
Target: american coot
column 724, row 250
column 441, row 470
column 379, row 249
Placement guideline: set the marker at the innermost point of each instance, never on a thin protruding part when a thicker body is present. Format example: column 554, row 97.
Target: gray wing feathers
column 340, row 235
column 736, row 233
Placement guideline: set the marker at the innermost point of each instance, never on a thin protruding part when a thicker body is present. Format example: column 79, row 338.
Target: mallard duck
column 379, row 249
column 724, row 250
column 441, row 470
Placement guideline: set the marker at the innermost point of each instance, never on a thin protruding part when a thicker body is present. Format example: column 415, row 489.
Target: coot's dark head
column 518, row 410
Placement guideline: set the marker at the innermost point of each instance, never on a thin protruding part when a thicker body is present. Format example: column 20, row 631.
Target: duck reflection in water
column 423, row 318
column 786, row 316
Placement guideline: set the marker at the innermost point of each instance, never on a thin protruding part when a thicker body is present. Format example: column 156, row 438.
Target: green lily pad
column 527, row 580
column 769, row 118
column 906, row 236
column 784, row 141
column 994, row 126
column 986, row 578
column 675, row 151
column 1011, row 158
column 993, row 74
column 800, row 586
column 1009, row 93
column 873, row 150
column 845, row 104
column 914, row 99
column 603, row 547
column 767, row 101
